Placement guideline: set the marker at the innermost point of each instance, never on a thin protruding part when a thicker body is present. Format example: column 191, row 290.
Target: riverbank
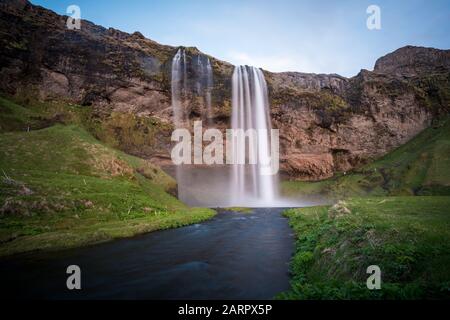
column 407, row 237
column 61, row 188
column 68, row 231
column 232, row 256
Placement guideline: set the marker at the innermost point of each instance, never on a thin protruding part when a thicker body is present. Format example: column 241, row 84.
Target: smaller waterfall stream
column 209, row 86
column 179, row 82
column 192, row 77
column 184, row 74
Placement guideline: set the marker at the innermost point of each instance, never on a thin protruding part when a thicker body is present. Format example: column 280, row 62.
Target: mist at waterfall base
column 211, row 186
column 236, row 185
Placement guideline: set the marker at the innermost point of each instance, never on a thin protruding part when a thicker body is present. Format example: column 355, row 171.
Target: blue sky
column 286, row 35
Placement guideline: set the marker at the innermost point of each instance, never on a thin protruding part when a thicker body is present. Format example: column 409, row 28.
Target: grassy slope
column 82, row 191
column 420, row 167
column 402, row 231
column 407, row 237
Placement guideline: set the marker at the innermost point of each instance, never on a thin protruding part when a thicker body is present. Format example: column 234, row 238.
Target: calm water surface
column 232, row 256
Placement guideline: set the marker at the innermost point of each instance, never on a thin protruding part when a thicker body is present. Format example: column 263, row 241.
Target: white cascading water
column 209, row 86
column 245, row 184
column 202, row 72
column 250, row 110
column 178, row 87
column 204, row 84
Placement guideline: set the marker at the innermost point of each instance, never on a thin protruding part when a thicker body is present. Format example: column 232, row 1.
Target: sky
column 319, row 36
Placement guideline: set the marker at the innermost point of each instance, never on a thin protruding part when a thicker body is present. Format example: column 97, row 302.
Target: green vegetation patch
column 407, row 237
column 131, row 133
column 60, row 187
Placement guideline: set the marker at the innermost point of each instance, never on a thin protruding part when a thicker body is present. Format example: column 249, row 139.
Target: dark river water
column 232, row 256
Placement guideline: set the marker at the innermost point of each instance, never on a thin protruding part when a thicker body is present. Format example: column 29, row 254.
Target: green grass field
column 407, row 237
column 395, row 214
column 60, row 187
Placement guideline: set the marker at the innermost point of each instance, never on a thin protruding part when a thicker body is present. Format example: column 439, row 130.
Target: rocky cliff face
column 327, row 123
column 333, row 124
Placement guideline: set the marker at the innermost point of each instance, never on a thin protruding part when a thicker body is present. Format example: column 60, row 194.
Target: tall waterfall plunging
column 250, row 110
column 242, row 182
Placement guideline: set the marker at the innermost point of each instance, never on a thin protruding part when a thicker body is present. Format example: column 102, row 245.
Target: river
column 232, row 256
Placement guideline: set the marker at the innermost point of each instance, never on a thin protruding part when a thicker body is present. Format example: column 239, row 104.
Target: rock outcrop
column 327, row 123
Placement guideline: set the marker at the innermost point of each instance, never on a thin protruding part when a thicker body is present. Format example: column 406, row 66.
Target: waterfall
column 204, row 85
column 209, row 86
column 202, row 74
column 250, row 110
column 179, row 86
column 192, row 76
column 245, row 183
column 179, row 83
